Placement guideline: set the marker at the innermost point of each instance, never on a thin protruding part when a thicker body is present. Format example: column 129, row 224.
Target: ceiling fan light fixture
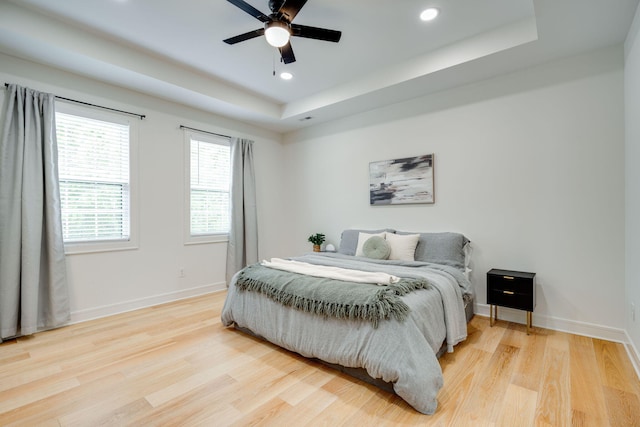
column 277, row 33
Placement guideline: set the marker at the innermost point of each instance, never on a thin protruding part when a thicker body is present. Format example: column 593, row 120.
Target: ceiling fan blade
column 290, row 8
column 245, row 36
column 316, row 33
column 250, row 10
column 287, row 53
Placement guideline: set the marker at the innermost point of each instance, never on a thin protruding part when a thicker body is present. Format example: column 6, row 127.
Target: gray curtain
column 242, row 249
column 33, row 278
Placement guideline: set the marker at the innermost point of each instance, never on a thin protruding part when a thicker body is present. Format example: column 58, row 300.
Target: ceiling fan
column 278, row 28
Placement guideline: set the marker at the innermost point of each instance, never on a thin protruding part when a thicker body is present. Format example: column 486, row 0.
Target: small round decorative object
column 377, row 248
column 330, row 248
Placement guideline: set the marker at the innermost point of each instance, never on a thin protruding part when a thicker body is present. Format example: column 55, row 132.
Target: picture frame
column 409, row 180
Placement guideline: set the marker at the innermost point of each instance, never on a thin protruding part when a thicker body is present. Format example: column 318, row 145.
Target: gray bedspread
column 402, row 353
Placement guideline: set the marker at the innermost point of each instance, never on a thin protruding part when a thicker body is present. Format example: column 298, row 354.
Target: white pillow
column 363, row 237
column 403, row 246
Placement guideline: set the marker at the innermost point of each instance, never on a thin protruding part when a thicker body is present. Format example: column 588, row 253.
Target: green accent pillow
column 377, row 248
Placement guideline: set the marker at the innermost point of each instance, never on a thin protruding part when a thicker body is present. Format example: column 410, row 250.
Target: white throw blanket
column 329, row 272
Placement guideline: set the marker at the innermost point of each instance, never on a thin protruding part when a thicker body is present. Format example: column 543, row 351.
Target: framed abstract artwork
column 401, row 181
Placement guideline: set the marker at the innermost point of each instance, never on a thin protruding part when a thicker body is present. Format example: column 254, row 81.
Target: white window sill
column 92, row 247
column 202, row 240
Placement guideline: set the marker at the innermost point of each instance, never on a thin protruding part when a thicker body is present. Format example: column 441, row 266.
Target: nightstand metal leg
column 529, row 322
column 493, row 314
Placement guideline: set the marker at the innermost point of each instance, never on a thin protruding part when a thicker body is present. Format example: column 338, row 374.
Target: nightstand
column 513, row 289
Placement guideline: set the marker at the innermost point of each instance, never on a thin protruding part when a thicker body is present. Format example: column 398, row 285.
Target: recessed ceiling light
column 286, row 76
column 429, row 14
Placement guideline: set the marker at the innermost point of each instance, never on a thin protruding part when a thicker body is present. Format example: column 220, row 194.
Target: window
column 94, row 168
column 209, row 177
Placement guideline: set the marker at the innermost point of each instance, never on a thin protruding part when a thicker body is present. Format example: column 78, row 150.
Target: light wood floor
column 176, row 365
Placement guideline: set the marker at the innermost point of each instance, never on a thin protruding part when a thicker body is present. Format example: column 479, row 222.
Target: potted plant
column 317, row 240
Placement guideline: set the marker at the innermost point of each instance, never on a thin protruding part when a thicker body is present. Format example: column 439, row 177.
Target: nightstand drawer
column 510, row 298
column 510, row 283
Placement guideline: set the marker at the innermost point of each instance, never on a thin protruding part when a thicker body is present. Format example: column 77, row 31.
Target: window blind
column 93, row 161
column 210, row 176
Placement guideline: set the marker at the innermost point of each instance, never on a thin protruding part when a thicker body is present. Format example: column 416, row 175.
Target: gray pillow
column 349, row 239
column 377, row 248
column 441, row 248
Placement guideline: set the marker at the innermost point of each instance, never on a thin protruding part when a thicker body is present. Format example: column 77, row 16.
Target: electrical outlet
column 181, row 272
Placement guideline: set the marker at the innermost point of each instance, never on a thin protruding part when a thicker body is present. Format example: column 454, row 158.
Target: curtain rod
column 204, row 131
column 141, row 116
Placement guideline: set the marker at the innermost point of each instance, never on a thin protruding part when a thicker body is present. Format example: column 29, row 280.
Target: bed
column 391, row 332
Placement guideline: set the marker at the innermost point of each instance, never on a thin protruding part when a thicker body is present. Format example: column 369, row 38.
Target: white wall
column 529, row 166
column 632, row 195
column 109, row 282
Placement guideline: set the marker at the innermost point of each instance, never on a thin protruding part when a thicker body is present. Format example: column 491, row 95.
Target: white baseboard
column 123, row 307
column 634, row 355
column 558, row 324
